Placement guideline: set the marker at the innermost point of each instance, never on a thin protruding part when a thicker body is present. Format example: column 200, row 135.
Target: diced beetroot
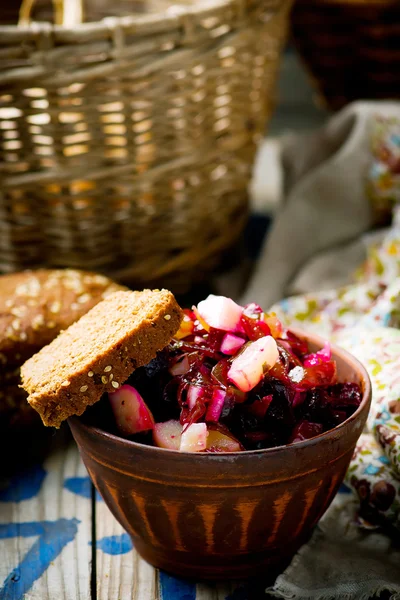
column 220, row 312
column 345, row 395
column 299, row 347
column 214, row 338
column 305, row 430
column 254, row 328
column 248, row 368
column 316, row 375
column 194, row 438
column 260, row 406
column 298, row 398
column 231, row 344
column 131, row 413
column 323, row 355
column 205, row 373
column 216, row 405
column 168, row 435
column 221, row 442
column 326, row 352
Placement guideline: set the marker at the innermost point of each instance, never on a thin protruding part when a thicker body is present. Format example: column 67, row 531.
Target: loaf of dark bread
column 36, row 305
column 99, row 352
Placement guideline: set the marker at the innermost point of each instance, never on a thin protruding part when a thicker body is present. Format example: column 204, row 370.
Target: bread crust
column 99, row 352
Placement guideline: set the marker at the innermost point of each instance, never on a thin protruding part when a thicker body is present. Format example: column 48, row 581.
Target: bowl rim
column 313, row 337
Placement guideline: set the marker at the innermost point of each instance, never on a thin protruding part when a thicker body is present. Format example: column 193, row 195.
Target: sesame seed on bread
column 98, row 353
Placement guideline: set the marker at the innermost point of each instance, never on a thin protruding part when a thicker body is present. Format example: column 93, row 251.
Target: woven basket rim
column 164, row 20
column 129, row 141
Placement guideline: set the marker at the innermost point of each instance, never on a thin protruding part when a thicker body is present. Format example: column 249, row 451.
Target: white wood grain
column 68, row 576
column 121, row 576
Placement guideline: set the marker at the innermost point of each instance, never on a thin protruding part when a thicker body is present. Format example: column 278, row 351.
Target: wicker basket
column 350, row 47
column 127, row 143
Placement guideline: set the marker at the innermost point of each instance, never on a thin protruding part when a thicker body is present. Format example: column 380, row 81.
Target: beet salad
column 232, row 379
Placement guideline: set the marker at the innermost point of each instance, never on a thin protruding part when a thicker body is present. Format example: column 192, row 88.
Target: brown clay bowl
column 213, row 516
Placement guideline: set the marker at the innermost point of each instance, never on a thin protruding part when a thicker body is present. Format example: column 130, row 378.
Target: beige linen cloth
column 321, row 234
column 341, row 212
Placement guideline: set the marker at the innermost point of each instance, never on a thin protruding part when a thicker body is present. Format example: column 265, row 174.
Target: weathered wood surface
column 45, row 532
column 52, row 526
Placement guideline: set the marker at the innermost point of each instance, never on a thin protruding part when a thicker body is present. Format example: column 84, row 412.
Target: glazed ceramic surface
column 223, row 515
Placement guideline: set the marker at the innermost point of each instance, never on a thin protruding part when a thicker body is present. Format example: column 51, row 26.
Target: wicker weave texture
column 350, row 47
column 127, row 144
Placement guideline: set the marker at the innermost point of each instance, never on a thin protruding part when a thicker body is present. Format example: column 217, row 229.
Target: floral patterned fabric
column 365, row 319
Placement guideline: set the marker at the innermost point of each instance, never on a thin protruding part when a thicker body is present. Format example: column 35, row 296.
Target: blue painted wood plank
column 53, row 537
column 172, row 588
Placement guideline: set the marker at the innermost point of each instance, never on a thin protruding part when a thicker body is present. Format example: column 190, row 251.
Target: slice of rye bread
column 99, row 352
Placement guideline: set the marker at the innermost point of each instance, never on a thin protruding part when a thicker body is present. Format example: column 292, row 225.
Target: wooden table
column 58, row 541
